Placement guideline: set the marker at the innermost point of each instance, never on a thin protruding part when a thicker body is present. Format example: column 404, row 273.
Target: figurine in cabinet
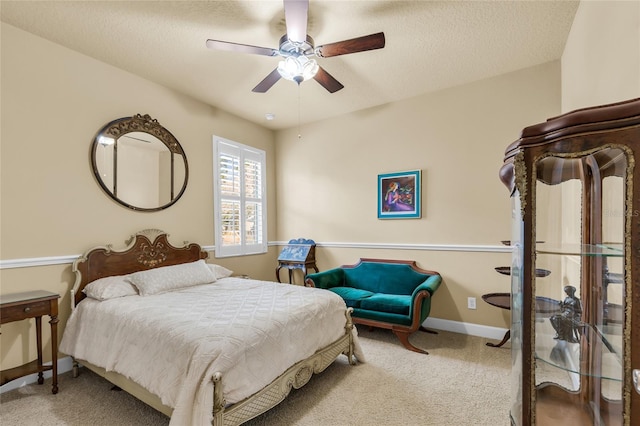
column 575, row 187
column 567, row 323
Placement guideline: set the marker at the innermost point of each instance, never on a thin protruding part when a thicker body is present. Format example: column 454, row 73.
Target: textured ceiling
column 430, row 45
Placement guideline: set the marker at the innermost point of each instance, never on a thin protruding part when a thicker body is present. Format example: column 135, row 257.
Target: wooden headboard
column 146, row 249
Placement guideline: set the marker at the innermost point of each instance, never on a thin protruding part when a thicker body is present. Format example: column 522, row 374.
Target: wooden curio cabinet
column 575, row 191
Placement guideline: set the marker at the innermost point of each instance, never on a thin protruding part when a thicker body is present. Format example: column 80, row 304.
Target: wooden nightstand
column 32, row 304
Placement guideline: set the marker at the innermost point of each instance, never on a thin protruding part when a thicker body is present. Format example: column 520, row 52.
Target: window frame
column 242, row 152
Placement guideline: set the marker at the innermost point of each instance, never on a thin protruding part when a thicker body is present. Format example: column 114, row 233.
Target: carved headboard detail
column 146, row 249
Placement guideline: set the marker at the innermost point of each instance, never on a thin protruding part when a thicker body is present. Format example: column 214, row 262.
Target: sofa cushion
column 381, row 277
column 384, row 317
column 352, row 296
column 392, row 303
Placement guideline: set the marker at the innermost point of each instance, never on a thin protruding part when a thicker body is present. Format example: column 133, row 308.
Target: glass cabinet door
column 516, row 309
column 578, row 289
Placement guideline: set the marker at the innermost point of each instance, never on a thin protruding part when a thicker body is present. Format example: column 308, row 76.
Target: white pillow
column 167, row 278
column 220, row 271
column 109, row 288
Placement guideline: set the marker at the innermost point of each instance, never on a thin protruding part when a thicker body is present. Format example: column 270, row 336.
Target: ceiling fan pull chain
column 299, row 135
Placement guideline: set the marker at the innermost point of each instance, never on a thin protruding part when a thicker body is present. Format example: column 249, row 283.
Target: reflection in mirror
column 139, row 163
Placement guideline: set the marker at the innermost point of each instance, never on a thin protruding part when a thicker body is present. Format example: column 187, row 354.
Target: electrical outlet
column 471, row 302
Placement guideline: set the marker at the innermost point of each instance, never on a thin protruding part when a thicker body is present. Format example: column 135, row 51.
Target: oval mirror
column 139, row 163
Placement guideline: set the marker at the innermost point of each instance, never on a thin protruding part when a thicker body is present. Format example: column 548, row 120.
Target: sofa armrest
column 421, row 300
column 326, row 279
column 431, row 284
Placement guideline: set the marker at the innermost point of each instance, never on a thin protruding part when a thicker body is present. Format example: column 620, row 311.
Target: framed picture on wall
column 399, row 195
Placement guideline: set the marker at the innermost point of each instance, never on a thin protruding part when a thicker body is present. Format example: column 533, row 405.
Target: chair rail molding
column 68, row 259
column 413, row 246
column 50, row 260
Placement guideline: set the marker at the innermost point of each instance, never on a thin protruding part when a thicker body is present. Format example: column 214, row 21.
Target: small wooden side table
column 32, row 304
column 544, row 306
column 503, row 301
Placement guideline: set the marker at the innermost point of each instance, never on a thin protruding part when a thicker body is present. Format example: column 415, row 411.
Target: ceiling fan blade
column 359, row 44
column 327, row 81
column 241, row 48
column 295, row 15
column 268, row 81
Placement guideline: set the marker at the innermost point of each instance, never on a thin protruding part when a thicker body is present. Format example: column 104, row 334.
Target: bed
column 151, row 319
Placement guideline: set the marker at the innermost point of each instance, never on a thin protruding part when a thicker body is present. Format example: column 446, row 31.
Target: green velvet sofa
column 391, row 294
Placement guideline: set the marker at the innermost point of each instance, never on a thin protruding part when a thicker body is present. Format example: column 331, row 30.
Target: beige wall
column 327, row 182
column 54, row 101
column 601, row 60
column 600, row 65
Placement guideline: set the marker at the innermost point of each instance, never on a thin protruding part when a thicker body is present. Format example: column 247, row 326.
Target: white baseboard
column 465, row 328
column 64, row 364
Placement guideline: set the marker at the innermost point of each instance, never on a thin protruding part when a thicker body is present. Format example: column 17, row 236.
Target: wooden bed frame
column 149, row 249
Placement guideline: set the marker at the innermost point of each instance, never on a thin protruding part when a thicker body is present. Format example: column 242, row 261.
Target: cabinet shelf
column 595, row 250
column 565, row 356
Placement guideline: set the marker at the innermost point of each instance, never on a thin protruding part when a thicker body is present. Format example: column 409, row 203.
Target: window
column 239, row 196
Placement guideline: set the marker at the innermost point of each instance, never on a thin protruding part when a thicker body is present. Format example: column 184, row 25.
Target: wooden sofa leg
column 404, row 339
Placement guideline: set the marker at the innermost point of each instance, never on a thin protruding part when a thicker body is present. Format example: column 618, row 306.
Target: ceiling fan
column 297, row 50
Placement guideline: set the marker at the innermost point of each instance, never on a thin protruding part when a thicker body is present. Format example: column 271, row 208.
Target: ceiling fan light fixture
column 296, row 47
column 297, row 68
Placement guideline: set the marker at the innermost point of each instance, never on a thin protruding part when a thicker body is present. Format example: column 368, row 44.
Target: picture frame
column 399, row 195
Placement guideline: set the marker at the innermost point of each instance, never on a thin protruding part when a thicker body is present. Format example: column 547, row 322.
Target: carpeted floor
column 461, row 382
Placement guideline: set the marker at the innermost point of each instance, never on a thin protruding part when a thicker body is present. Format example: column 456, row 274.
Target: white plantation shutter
column 239, row 198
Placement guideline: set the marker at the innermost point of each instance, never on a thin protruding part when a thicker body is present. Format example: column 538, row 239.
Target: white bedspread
column 172, row 343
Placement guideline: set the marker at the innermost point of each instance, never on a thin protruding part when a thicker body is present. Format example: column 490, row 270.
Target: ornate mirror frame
column 110, row 134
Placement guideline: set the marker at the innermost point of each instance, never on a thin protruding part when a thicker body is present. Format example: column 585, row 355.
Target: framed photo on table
column 399, row 195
